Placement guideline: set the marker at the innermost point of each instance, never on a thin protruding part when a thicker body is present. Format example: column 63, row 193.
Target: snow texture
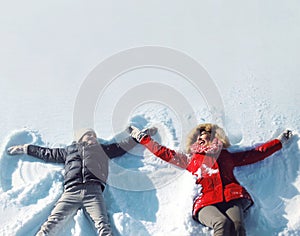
column 250, row 50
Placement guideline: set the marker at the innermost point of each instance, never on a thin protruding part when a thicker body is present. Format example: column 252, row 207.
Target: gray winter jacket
column 83, row 163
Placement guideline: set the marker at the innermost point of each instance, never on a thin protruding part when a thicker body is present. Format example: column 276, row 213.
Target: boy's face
column 89, row 138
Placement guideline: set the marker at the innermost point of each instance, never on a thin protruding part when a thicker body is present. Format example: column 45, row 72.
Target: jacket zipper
column 82, row 169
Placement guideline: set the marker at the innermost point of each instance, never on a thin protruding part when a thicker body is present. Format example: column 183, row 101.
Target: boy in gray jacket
column 86, row 171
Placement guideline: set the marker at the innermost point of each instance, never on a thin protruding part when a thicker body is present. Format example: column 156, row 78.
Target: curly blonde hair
column 214, row 130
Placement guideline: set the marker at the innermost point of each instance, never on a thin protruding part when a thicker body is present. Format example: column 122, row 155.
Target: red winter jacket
column 214, row 175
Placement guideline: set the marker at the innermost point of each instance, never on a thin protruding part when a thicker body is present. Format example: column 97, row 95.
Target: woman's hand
column 285, row 136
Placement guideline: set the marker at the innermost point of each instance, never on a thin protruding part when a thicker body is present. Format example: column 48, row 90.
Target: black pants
column 225, row 218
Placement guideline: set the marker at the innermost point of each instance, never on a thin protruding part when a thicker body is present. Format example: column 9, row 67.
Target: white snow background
column 249, row 48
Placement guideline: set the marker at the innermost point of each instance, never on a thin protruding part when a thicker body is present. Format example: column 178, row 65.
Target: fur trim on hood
column 215, row 130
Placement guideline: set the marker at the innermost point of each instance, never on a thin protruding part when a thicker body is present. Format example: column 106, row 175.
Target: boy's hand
column 17, row 150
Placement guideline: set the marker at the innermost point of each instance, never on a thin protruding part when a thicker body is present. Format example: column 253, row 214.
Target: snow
column 250, row 51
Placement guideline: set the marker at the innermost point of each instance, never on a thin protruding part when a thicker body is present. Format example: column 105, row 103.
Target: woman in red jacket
column 221, row 200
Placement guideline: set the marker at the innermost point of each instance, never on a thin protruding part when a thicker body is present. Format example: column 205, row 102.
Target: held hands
column 140, row 135
column 136, row 134
column 17, row 150
column 285, row 136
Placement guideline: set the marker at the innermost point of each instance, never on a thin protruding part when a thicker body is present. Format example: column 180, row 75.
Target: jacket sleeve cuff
column 25, row 148
column 146, row 139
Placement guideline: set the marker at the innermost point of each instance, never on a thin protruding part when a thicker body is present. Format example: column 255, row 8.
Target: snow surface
column 251, row 51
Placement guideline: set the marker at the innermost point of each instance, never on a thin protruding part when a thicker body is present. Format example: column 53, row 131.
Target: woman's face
column 203, row 138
